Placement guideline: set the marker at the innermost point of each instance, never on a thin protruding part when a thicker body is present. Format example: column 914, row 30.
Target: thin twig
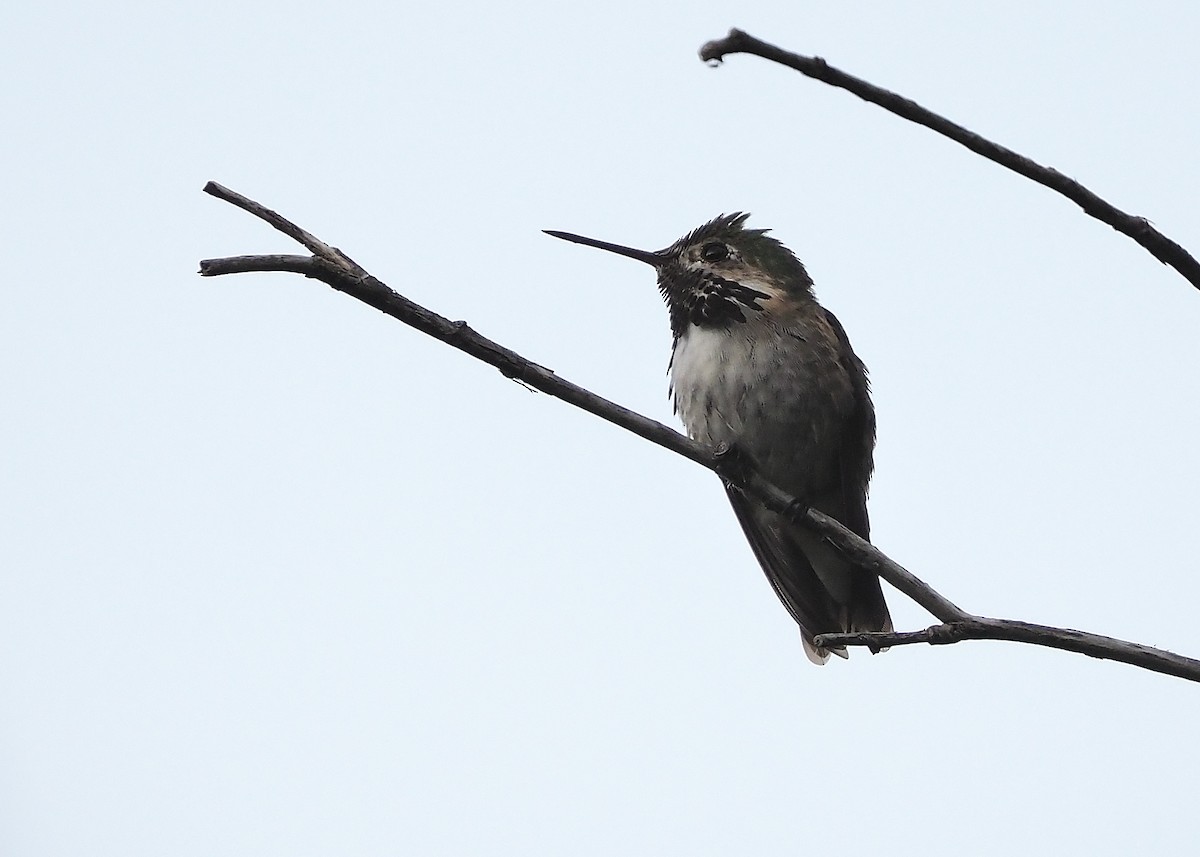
column 1067, row 639
column 336, row 270
column 246, row 264
column 1137, row 228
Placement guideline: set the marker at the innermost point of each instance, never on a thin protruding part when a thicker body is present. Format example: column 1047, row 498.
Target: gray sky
column 279, row 575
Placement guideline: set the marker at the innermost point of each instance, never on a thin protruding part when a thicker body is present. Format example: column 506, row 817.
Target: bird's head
column 719, row 274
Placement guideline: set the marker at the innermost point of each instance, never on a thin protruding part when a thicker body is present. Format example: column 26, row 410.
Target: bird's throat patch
column 714, row 301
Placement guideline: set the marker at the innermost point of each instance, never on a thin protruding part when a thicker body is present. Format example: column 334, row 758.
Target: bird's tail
column 822, row 591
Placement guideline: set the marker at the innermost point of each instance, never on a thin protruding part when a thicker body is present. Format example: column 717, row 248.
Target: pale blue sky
column 281, row 576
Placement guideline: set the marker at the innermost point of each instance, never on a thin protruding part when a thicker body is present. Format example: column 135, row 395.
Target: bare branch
column 1137, row 228
column 1067, row 639
column 334, row 268
column 305, row 265
column 311, row 242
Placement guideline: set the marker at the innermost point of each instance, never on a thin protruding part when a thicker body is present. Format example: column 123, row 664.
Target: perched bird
column 757, row 365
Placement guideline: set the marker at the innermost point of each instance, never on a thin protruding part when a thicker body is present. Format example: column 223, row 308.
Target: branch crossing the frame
column 334, row 268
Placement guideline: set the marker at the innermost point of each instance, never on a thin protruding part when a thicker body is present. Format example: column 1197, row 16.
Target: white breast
column 710, row 371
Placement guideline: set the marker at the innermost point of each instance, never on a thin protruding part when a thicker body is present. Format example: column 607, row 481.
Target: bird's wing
column 856, row 452
column 823, row 592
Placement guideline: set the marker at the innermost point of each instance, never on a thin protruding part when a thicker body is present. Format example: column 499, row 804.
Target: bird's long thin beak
column 646, row 256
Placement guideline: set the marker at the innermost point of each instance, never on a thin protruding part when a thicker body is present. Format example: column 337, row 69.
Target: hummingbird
column 759, row 367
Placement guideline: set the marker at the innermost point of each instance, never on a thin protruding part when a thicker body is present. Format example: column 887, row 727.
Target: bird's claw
column 732, row 465
column 796, row 509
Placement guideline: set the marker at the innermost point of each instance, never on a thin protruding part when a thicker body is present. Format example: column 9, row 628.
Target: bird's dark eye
column 714, row 251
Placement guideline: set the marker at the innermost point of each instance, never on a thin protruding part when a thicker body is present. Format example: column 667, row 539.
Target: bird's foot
column 733, row 466
column 736, row 469
column 796, row 509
